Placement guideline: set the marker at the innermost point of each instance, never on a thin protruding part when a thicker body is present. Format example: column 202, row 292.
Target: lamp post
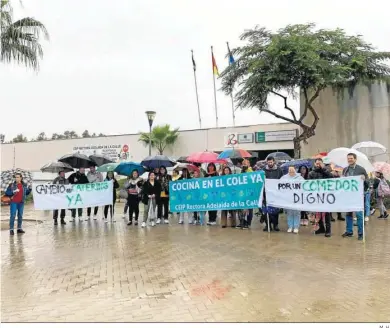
column 151, row 115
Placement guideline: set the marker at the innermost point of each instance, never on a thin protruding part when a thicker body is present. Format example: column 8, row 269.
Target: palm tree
column 162, row 136
column 19, row 40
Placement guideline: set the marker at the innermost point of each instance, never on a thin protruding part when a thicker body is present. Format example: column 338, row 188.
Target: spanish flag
column 215, row 67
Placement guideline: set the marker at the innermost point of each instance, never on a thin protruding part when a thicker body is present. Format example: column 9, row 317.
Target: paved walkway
column 92, row 271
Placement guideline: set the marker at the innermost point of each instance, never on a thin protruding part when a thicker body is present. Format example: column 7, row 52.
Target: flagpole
column 196, row 88
column 231, row 61
column 234, row 115
column 215, row 92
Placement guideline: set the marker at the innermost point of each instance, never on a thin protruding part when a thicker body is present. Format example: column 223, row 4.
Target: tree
column 101, row 135
column 85, row 134
column 300, row 57
column 2, row 138
column 73, row 134
column 161, row 137
column 19, row 138
column 19, row 40
column 41, row 136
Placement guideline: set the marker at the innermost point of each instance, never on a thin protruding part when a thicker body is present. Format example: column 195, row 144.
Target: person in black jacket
column 320, row 172
column 212, row 172
column 110, row 176
column 163, row 205
column 151, row 191
column 78, row 177
column 133, row 186
column 60, row 180
column 272, row 171
column 304, row 172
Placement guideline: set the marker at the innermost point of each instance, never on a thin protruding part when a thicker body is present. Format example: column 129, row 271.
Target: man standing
column 60, row 180
column 272, row 171
column 93, row 177
column 321, row 172
column 78, row 177
column 350, row 171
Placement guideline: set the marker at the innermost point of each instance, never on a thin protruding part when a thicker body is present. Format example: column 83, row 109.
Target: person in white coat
column 293, row 216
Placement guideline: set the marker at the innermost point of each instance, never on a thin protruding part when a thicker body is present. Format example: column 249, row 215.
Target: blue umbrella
column 153, row 162
column 125, row 168
column 297, row 163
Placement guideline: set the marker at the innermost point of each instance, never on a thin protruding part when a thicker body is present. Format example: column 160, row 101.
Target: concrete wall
column 33, row 155
column 346, row 119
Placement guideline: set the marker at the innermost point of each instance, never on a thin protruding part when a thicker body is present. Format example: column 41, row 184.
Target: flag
column 231, row 58
column 193, row 61
column 215, row 67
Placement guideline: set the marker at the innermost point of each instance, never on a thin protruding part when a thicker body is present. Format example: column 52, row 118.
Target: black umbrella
column 77, row 161
column 101, row 159
column 182, row 159
column 152, row 162
column 55, row 167
column 280, row 156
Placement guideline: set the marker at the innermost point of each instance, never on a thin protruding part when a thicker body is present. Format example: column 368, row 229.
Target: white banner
column 330, row 195
column 58, row 196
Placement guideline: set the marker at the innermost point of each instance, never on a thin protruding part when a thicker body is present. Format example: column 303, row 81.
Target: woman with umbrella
column 151, row 192
column 17, row 191
column 110, row 177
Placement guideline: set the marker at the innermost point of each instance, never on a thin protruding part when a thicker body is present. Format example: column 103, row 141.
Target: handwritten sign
column 330, row 195
column 56, row 196
column 228, row 192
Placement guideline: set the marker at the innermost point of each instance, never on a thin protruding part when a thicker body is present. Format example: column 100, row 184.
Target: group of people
column 153, row 194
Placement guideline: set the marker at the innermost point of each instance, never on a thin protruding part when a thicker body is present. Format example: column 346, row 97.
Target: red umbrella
column 205, row 157
column 320, row 155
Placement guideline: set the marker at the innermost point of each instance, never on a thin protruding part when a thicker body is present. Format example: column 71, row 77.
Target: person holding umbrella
column 110, row 177
column 163, row 204
column 133, row 187
column 93, row 177
column 60, row 180
column 78, row 177
column 17, row 191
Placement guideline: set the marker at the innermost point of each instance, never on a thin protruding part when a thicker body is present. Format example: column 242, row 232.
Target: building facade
column 351, row 117
column 259, row 139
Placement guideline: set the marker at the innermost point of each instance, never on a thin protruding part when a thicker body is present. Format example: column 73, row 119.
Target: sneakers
column 124, row 216
column 20, row 231
column 88, row 218
column 55, row 222
column 72, row 219
column 212, row 223
column 305, row 222
column 143, row 225
column 130, row 223
column 289, row 230
column 296, row 230
column 95, row 217
column 319, row 231
column 11, row 232
column 347, row 234
column 276, row 228
column 360, row 237
column 327, row 234
column 366, row 219
column 166, row 221
column 80, row 219
column 372, row 211
column 181, row 221
column 113, row 219
column 105, row 220
column 158, row 221
column 301, row 222
column 153, row 224
column 63, row 222
column 135, row 222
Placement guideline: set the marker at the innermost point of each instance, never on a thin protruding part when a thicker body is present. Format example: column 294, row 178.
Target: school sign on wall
column 116, row 152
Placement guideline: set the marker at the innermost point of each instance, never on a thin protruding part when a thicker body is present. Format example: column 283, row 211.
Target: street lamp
column 151, row 115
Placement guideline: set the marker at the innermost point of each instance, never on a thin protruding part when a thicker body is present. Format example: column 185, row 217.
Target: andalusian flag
column 215, row 67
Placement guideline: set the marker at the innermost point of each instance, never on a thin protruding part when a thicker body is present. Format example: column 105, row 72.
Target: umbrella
column 182, row 159
column 109, row 167
column 55, row 167
column 77, row 160
column 280, row 156
column 320, row 155
column 204, row 157
column 297, row 163
column 101, row 159
column 189, row 167
column 383, row 168
column 370, row 148
column 125, row 168
column 8, row 176
column 234, row 153
column 153, row 162
column 338, row 156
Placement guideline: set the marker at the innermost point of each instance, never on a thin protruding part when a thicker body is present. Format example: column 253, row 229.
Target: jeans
column 367, row 203
column 199, row 216
column 16, row 207
column 293, row 219
column 162, row 208
column 349, row 222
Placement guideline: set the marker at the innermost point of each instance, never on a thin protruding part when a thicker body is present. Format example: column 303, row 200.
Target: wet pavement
column 93, row 271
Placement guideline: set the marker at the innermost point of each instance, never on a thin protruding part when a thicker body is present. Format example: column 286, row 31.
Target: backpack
column 383, row 188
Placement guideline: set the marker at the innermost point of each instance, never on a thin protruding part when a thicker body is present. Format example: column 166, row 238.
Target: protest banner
column 228, row 192
column 330, row 195
column 59, row 196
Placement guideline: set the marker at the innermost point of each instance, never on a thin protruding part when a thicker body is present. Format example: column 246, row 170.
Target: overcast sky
column 109, row 61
